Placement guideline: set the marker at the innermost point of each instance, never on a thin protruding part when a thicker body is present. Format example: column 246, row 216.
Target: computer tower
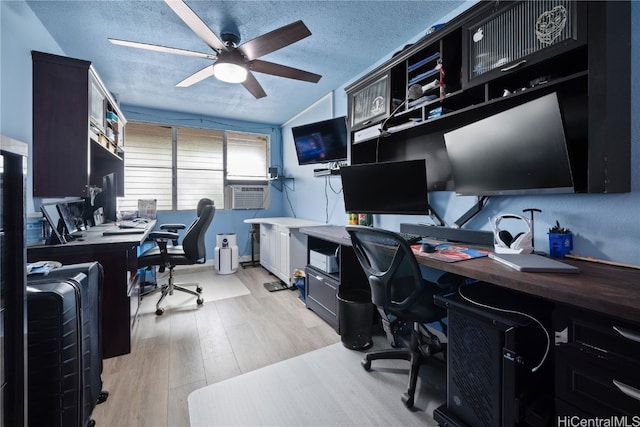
column 498, row 368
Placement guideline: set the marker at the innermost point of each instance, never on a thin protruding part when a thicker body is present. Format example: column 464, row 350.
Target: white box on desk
column 324, row 260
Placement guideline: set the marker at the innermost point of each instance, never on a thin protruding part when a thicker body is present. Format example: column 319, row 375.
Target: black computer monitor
column 107, row 198
column 386, row 188
column 51, row 213
column 522, row 150
column 72, row 212
column 321, row 142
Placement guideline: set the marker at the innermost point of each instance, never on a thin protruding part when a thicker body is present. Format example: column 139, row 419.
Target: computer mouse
column 428, row 248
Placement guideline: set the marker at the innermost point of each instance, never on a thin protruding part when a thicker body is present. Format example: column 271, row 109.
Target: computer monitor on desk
column 65, row 219
column 56, row 224
column 107, row 197
column 72, row 215
column 387, row 188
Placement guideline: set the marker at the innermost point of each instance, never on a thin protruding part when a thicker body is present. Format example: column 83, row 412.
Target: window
column 179, row 166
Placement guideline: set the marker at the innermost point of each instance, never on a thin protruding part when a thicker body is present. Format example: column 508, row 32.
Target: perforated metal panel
column 521, row 30
column 475, row 374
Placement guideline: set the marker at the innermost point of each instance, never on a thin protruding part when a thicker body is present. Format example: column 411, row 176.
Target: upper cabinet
column 493, row 57
column 78, row 128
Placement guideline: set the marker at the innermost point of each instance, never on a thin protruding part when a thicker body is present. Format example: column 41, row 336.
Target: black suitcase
column 91, row 292
column 88, row 279
column 55, row 362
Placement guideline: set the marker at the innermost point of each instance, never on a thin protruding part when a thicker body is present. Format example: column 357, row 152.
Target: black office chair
column 398, row 289
column 192, row 251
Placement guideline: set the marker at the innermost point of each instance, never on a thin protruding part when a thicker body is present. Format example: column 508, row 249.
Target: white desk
column 282, row 247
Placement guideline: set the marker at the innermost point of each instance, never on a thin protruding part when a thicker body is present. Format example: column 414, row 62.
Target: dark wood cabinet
column 13, row 332
column 322, row 287
column 498, row 55
column 78, row 129
column 597, row 365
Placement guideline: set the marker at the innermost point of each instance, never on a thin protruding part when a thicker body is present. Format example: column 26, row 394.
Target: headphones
column 505, row 243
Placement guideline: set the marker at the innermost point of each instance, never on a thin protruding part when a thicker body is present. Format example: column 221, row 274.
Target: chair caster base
column 199, row 301
column 199, row 289
column 102, row 397
column 159, row 311
column 366, row 364
column 407, row 400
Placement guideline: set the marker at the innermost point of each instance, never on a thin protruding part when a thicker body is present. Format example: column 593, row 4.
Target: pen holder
column 560, row 244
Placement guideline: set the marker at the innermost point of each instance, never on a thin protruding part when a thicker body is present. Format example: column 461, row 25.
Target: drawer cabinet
column 597, row 365
column 321, row 295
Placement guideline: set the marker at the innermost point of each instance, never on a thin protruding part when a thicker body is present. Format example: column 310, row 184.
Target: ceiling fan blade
column 196, row 24
column 274, row 40
column 197, row 77
column 283, row 71
column 252, row 85
column 165, row 49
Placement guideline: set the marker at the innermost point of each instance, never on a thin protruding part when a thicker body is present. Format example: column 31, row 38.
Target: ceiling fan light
column 229, row 72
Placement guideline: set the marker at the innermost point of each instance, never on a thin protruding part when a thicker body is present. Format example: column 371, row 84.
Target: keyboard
column 121, row 231
column 410, row 238
column 132, row 224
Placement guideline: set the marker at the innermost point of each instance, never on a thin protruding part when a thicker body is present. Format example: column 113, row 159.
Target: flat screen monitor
column 522, row 150
column 72, row 215
column 386, row 188
column 51, row 213
column 321, row 142
column 107, row 198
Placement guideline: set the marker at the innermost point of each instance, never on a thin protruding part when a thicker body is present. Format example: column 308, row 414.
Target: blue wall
column 605, row 226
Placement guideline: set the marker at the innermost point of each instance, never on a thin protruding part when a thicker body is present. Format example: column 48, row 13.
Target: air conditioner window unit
column 248, row 196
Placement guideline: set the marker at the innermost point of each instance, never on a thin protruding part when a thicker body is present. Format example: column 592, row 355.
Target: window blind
column 179, row 166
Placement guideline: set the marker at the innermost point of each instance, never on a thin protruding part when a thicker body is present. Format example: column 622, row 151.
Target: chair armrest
column 163, row 235
column 172, row 227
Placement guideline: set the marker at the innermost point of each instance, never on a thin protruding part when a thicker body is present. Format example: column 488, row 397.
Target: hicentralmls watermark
column 613, row 421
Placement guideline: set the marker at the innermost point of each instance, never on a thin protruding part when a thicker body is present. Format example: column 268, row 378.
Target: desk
column 118, row 256
column 602, row 288
column 587, row 308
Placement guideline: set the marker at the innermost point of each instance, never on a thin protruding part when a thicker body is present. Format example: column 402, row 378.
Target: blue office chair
column 192, row 251
column 399, row 290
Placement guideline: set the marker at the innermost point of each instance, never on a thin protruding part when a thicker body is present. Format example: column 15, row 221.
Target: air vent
column 248, row 196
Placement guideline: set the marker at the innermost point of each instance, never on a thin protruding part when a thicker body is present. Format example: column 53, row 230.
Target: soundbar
column 477, row 237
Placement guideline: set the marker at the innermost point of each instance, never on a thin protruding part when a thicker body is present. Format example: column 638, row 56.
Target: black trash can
column 356, row 318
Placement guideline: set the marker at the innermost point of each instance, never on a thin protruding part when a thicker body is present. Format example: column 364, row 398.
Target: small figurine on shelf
column 560, row 241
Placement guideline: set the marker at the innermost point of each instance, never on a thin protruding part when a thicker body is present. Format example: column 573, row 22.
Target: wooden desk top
column 283, row 221
column 607, row 289
column 94, row 237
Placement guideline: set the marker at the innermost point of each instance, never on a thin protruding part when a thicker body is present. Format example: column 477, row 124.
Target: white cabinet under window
column 282, row 247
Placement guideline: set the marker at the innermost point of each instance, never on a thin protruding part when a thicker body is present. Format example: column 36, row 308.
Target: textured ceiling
column 347, row 38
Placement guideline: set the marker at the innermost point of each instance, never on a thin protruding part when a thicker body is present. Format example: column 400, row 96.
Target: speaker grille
column 474, row 370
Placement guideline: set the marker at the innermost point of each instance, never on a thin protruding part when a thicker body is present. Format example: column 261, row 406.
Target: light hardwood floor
column 190, row 347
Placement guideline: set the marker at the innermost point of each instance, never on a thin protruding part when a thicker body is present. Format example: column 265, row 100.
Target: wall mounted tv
column 321, row 142
column 522, row 150
column 386, row 188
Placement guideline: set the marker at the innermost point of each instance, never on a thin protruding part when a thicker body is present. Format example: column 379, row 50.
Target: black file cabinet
column 597, row 365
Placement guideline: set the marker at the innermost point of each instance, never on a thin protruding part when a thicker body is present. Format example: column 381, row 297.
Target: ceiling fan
column 234, row 63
